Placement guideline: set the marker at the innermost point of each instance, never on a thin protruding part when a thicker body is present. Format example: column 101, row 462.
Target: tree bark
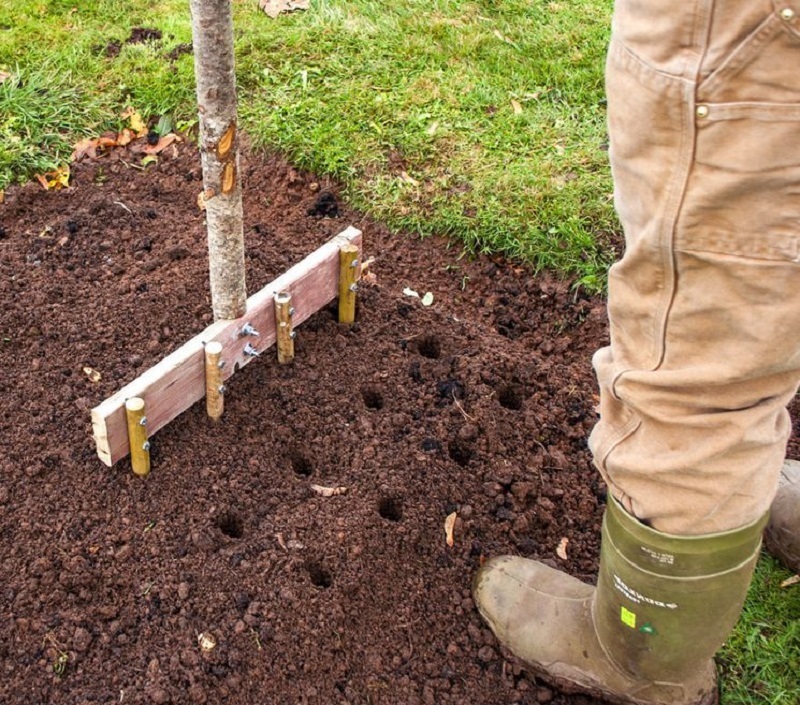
column 212, row 33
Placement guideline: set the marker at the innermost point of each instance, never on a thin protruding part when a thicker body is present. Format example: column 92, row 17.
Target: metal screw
column 143, row 421
column 248, row 329
column 146, row 445
column 354, row 263
column 222, row 389
column 354, row 288
column 291, row 311
column 293, row 334
column 251, row 351
column 221, row 364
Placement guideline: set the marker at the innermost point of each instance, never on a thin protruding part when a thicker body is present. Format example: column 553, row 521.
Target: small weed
column 61, row 659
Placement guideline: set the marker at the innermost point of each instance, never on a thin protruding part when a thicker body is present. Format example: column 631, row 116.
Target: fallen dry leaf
column 135, row 121
column 85, row 148
column 329, row 491
column 561, row 551
column 4, row 75
column 54, row 179
column 125, row 137
column 206, row 641
column 408, row 179
column 449, row 527
column 794, row 580
column 92, row 374
column 517, row 107
column 161, row 145
column 273, row 8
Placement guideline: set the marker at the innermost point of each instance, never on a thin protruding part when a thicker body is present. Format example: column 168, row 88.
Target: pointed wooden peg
column 215, row 390
column 137, row 436
column 348, row 283
column 283, row 322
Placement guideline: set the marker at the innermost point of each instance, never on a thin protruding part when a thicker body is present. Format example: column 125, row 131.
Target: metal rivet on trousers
column 787, row 13
column 702, row 111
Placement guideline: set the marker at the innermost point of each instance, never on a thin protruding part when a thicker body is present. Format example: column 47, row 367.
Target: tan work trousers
column 704, row 306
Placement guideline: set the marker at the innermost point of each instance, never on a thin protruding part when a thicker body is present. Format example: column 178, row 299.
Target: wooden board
column 178, row 381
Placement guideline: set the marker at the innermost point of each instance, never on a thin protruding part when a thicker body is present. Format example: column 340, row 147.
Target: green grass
column 483, row 120
column 761, row 659
column 411, row 106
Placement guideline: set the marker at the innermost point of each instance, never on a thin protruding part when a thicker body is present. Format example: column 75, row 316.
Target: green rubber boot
column 646, row 635
column 782, row 535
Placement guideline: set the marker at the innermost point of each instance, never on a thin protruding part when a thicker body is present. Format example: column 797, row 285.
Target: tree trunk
column 212, row 33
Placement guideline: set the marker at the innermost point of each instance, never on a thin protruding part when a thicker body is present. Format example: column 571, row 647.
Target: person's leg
column 704, row 309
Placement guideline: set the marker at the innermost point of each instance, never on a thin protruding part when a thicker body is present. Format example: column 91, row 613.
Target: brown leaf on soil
column 449, row 527
column 54, row 179
column 794, row 580
column 88, row 147
column 125, row 137
column 273, row 8
column 329, row 491
column 561, row 551
column 161, row 145
column 92, row 374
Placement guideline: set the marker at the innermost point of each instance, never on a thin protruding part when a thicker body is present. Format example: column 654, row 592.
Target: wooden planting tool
column 179, row 380
column 137, row 436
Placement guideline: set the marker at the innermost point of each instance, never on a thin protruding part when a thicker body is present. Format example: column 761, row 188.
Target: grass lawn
column 482, row 120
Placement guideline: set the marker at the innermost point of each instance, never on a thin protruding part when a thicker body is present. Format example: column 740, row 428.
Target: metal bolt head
column 701, row 111
column 146, row 446
column 291, row 311
column 354, row 288
column 247, row 329
column 143, row 421
column 222, row 389
column 354, row 263
column 293, row 334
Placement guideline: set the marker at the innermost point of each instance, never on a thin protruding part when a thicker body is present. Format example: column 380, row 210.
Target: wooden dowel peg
column 137, row 436
column 348, row 283
column 283, row 321
column 215, row 390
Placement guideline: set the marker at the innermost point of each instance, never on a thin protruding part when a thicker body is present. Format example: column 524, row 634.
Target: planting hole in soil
column 460, row 451
column 301, row 465
column 391, row 508
column 510, row 397
column 372, row 398
column 319, row 576
column 430, row 347
column 231, row 525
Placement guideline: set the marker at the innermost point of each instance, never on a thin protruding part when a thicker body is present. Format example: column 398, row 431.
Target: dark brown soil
column 479, row 404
